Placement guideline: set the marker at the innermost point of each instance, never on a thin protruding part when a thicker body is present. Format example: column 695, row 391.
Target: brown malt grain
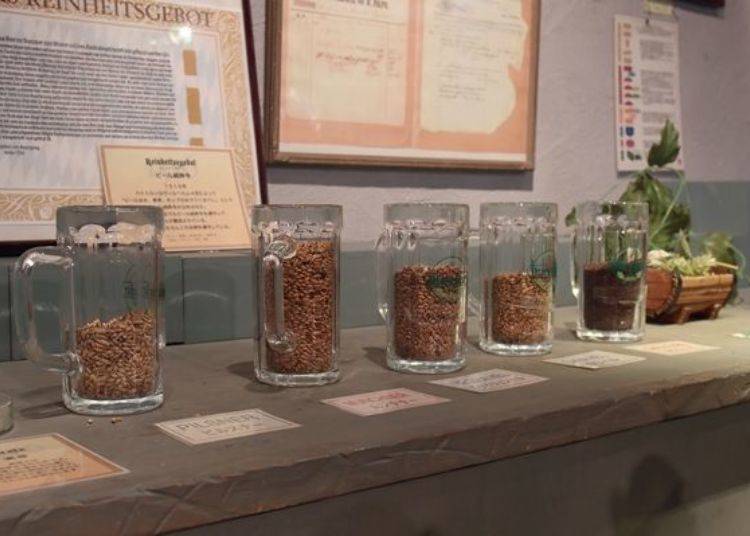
column 428, row 321
column 520, row 308
column 309, row 309
column 118, row 357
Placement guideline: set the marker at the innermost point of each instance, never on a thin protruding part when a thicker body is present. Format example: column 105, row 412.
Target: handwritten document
column 339, row 50
column 440, row 79
column 468, row 49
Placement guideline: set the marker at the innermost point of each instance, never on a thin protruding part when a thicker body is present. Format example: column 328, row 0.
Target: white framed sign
column 76, row 76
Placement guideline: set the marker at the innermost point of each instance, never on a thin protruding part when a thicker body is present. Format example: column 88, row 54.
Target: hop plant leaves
column 570, row 219
column 666, row 217
column 719, row 245
column 669, row 220
column 665, row 152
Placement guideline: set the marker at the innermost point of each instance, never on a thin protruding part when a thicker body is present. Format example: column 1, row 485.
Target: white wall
column 575, row 157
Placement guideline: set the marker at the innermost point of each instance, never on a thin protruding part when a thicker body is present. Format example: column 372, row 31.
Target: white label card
column 672, row 347
column 379, row 402
column 595, row 360
column 489, row 381
column 221, row 426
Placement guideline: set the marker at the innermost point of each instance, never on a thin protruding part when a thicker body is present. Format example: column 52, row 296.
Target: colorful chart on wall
column 76, row 76
column 647, row 88
column 402, row 82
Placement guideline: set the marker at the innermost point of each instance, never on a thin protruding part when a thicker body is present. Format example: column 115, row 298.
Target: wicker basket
column 675, row 299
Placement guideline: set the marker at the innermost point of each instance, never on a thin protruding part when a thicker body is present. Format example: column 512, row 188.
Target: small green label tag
column 627, row 272
column 447, row 287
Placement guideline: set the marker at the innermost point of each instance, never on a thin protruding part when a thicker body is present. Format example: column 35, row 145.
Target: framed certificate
column 76, row 76
column 402, row 82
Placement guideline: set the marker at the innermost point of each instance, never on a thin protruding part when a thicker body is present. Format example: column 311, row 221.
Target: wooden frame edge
column 252, row 69
column 272, row 81
column 272, row 107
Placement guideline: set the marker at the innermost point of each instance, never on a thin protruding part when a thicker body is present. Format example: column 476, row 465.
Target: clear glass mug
column 518, row 268
column 610, row 246
column 422, row 285
column 297, row 250
column 109, row 260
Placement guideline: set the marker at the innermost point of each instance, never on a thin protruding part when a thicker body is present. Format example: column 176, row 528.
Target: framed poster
column 79, row 76
column 402, row 82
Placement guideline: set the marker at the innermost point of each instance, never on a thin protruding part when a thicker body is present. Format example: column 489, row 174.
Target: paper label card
column 672, row 347
column 595, row 360
column 489, row 381
column 31, row 463
column 197, row 189
column 386, row 401
column 221, row 426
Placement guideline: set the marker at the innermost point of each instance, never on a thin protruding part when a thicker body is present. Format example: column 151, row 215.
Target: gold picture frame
column 212, row 69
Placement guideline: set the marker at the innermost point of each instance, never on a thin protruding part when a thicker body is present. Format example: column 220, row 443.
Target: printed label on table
column 31, row 463
column 595, row 360
column 672, row 347
column 489, row 381
column 221, row 426
column 386, row 401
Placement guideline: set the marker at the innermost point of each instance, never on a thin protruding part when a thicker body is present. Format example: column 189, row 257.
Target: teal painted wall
column 212, row 297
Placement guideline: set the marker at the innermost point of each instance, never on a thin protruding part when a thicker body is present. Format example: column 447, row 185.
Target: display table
column 175, row 486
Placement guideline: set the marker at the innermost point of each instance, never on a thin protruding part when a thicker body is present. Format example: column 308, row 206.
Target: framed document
column 77, row 76
column 196, row 187
column 427, row 83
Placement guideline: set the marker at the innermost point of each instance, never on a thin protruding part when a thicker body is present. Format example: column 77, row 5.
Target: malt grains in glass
column 109, row 259
column 517, row 271
column 297, row 249
column 422, row 272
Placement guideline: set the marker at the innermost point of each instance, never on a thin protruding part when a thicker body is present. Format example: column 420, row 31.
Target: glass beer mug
column 109, row 261
column 297, row 248
column 518, row 268
column 422, row 290
column 610, row 244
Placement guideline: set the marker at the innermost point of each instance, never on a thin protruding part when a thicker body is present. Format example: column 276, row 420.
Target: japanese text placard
column 197, row 188
column 31, row 463
column 489, row 381
column 210, row 428
column 385, row 401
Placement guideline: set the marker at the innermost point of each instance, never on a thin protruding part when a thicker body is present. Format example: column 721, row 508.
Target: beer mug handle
column 383, row 276
column 475, row 278
column 272, row 280
column 574, row 283
column 24, row 310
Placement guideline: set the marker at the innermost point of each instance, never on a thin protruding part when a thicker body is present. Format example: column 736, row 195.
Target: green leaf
column 665, row 152
column 664, row 223
column 667, row 235
column 570, row 219
column 719, row 246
